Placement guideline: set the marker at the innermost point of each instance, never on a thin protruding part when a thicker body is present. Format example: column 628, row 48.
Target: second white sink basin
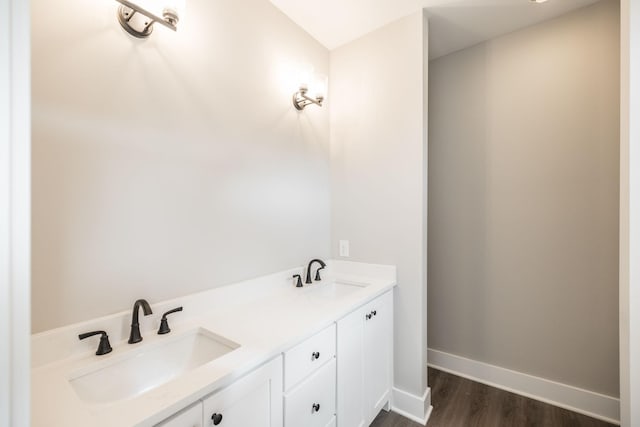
column 335, row 289
column 136, row 372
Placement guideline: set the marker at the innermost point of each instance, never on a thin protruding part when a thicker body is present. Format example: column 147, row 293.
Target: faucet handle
column 164, row 325
column 299, row 281
column 104, row 347
column 318, row 278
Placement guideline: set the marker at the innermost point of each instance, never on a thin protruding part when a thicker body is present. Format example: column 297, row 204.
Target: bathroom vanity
column 260, row 353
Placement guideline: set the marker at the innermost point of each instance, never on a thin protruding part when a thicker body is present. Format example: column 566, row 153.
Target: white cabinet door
column 365, row 362
column 254, row 400
column 350, row 357
column 378, row 353
column 190, row 417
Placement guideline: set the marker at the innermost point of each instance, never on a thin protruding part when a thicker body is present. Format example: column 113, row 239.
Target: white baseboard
column 585, row 402
column 415, row 408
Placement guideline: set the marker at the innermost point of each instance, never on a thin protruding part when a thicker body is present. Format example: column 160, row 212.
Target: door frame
column 629, row 286
column 15, row 218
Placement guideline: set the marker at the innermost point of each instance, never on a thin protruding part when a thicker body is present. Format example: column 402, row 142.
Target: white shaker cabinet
column 313, row 402
column 253, row 400
column 378, row 357
column 306, row 357
column 310, row 381
column 350, row 370
column 339, row 377
column 365, row 362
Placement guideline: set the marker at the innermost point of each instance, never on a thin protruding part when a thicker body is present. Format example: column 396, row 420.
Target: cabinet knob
column 374, row 312
column 368, row 316
column 315, row 355
column 316, row 407
column 216, row 418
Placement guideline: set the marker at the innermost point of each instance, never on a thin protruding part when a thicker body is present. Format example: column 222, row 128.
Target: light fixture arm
column 301, row 99
column 143, row 27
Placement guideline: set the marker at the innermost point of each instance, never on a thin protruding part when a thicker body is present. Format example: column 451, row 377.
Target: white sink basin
column 336, row 289
column 138, row 371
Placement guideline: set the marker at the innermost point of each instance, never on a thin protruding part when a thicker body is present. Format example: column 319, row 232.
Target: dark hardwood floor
column 458, row 402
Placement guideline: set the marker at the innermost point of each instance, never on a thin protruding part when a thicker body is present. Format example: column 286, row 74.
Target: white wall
column 14, row 213
column 173, row 164
column 523, row 208
column 630, row 215
column 378, row 173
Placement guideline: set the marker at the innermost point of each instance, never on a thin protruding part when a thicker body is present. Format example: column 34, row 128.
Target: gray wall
column 174, row 164
column 523, row 200
column 378, row 172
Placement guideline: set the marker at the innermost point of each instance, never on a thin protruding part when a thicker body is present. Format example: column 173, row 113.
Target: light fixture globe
column 171, row 16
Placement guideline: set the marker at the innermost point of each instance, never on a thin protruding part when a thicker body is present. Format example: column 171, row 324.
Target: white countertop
column 266, row 316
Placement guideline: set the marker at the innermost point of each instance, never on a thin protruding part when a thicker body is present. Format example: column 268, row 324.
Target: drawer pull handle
column 216, row 418
column 369, row 316
column 315, row 355
column 316, row 407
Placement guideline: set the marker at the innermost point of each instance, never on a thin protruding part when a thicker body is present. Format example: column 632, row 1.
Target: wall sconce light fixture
column 319, row 87
column 301, row 99
column 138, row 18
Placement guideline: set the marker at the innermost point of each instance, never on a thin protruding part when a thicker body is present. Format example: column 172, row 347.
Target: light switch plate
column 344, row 248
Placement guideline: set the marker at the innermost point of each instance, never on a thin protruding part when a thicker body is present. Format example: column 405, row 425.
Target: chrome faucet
column 135, row 336
column 322, row 265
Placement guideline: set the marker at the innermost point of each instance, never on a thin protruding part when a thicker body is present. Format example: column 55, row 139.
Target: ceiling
column 453, row 24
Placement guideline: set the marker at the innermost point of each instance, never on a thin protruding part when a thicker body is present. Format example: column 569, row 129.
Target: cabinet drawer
column 308, row 356
column 313, row 402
